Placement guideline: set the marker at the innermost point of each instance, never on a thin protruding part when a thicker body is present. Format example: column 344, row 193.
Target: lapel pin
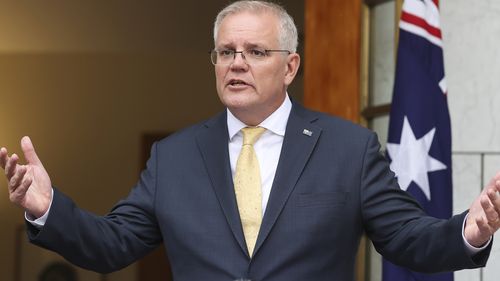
column 307, row 132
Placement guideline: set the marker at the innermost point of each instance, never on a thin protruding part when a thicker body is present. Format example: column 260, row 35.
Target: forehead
column 247, row 28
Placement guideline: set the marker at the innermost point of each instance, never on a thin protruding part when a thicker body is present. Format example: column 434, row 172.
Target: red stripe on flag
column 436, row 2
column 420, row 22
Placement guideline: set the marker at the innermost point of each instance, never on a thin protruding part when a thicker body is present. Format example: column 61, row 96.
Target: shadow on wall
column 34, row 263
column 58, row 271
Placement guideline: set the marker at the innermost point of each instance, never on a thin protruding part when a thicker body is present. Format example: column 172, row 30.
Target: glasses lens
column 223, row 57
column 255, row 56
column 213, row 57
column 250, row 56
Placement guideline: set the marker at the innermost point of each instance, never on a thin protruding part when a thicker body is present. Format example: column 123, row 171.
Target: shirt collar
column 276, row 122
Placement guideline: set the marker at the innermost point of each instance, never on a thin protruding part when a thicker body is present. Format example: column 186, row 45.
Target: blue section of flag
column 418, row 96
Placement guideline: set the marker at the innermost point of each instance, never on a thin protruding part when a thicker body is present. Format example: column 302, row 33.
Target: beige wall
column 85, row 79
column 86, row 113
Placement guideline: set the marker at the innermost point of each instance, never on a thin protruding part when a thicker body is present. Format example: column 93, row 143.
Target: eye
column 257, row 53
column 226, row 53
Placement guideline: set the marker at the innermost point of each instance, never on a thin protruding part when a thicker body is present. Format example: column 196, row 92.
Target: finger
column 10, row 167
column 495, row 182
column 23, row 187
column 483, row 226
column 17, row 195
column 494, row 199
column 497, row 176
column 29, row 151
column 17, row 177
column 489, row 211
column 3, row 157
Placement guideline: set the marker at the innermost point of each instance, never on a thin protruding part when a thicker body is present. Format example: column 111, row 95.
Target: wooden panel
column 332, row 57
column 332, row 68
column 376, row 111
column 155, row 266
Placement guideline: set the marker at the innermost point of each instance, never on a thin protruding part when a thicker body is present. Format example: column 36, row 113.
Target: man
column 321, row 183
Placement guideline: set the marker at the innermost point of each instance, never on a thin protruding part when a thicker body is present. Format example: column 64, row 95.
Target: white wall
column 471, row 32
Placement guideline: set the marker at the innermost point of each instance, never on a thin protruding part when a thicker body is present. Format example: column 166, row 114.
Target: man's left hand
column 484, row 215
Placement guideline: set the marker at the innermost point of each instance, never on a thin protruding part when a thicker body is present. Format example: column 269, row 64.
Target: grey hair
column 288, row 38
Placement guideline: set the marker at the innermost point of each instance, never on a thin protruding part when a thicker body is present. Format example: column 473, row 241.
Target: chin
column 237, row 100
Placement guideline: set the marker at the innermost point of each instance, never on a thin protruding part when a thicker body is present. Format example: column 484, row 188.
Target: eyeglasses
column 251, row 56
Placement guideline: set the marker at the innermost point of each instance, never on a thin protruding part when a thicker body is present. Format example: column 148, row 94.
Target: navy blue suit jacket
column 329, row 189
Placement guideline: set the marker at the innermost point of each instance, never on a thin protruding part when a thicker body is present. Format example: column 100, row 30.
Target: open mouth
column 236, row 82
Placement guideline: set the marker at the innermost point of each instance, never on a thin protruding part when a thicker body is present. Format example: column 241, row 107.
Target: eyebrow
column 246, row 45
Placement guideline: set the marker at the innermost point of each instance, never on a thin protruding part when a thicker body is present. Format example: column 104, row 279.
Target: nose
column 239, row 61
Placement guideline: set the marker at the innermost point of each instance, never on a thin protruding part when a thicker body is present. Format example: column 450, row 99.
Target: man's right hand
column 29, row 185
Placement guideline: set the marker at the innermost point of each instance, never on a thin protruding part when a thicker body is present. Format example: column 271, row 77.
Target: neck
column 253, row 116
column 250, row 118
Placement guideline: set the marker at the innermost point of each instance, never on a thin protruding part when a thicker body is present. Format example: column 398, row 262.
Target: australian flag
column 419, row 143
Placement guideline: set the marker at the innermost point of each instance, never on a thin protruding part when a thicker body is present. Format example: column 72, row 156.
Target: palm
column 483, row 219
column 38, row 192
column 29, row 185
column 473, row 232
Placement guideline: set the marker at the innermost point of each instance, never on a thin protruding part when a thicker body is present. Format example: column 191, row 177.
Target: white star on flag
column 411, row 160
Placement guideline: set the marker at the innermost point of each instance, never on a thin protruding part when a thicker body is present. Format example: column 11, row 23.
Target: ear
column 292, row 66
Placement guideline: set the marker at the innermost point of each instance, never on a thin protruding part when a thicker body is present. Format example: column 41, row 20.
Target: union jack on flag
column 419, row 142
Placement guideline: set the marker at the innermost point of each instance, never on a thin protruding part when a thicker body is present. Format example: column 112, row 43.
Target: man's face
column 253, row 92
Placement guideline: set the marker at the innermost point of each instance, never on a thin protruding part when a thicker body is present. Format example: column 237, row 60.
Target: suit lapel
column 300, row 139
column 213, row 144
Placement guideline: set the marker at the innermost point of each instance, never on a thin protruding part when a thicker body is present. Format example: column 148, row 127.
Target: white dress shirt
column 267, row 147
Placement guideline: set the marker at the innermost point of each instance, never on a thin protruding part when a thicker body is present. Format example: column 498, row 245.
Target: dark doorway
column 154, row 266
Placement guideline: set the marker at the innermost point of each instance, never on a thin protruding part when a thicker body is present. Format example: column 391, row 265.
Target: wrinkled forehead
column 249, row 29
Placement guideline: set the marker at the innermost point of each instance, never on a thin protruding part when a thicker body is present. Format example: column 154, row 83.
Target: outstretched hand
column 29, row 185
column 484, row 214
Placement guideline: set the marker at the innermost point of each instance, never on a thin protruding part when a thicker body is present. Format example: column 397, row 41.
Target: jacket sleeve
column 104, row 243
column 401, row 231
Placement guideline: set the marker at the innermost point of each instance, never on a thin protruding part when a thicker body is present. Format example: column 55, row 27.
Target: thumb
column 29, row 151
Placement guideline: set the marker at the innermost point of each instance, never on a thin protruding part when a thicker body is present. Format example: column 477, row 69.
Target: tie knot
column 251, row 134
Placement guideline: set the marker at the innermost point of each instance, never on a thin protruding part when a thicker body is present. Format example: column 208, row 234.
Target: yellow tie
column 247, row 186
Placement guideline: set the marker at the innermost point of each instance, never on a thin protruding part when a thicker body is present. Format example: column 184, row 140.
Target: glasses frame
column 213, row 54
